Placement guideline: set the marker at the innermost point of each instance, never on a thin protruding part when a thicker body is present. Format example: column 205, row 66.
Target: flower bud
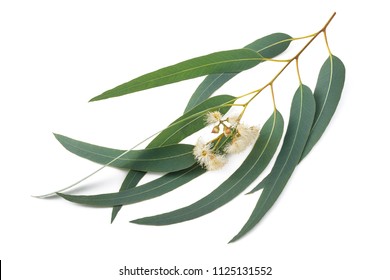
column 227, row 131
column 215, row 129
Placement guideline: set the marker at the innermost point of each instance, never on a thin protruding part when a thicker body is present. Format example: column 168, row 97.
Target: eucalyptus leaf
column 219, row 62
column 298, row 129
column 192, row 121
column 268, row 47
column 249, row 170
column 147, row 191
column 163, row 159
column 327, row 94
column 181, row 128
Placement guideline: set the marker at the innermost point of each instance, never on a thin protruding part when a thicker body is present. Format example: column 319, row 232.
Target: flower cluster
column 236, row 137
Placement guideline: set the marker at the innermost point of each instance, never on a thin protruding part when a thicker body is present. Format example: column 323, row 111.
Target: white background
column 332, row 220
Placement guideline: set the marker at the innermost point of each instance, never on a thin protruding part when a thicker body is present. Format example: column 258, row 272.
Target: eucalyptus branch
column 294, row 58
column 310, row 115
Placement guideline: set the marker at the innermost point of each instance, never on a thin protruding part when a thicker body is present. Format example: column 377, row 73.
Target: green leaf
column 163, row 159
column 268, row 47
column 327, row 94
column 149, row 190
column 219, row 62
column 250, row 169
column 181, row 128
column 192, row 121
column 298, row 129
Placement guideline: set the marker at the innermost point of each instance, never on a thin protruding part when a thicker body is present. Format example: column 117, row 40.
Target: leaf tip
column 234, row 239
column 101, row 96
column 140, row 221
column 94, row 99
column 56, row 135
column 113, row 216
column 135, row 221
column 255, row 189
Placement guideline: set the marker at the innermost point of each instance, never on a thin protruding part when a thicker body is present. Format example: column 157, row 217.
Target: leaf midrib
column 274, row 44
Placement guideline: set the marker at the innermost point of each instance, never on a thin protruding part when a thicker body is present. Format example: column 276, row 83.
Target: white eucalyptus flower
column 213, row 117
column 216, row 162
column 245, row 136
column 202, row 152
column 206, row 157
column 249, row 133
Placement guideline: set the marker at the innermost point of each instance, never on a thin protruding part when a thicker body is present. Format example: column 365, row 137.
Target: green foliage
column 192, row 121
column 327, row 94
column 298, row 129
column 181, row 128
column 147, row 191
column 220, row 62
column 310, row 115
column 163, row 159
column 268, row 47
column 251, row 168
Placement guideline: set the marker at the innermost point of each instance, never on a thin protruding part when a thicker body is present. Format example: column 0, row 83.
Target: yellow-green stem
column 298, row 73
column 273, row 96
column 326, row 43
column 288, row 62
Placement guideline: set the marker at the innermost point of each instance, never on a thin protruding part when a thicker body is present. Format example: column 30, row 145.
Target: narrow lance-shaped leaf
column 149, row 190
column 268, row 47
column 250, row 169
column 192, row 121
column 327, row 94
column 219, row 62
column 298, row 129
column 181, row 128
column 163, row 159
